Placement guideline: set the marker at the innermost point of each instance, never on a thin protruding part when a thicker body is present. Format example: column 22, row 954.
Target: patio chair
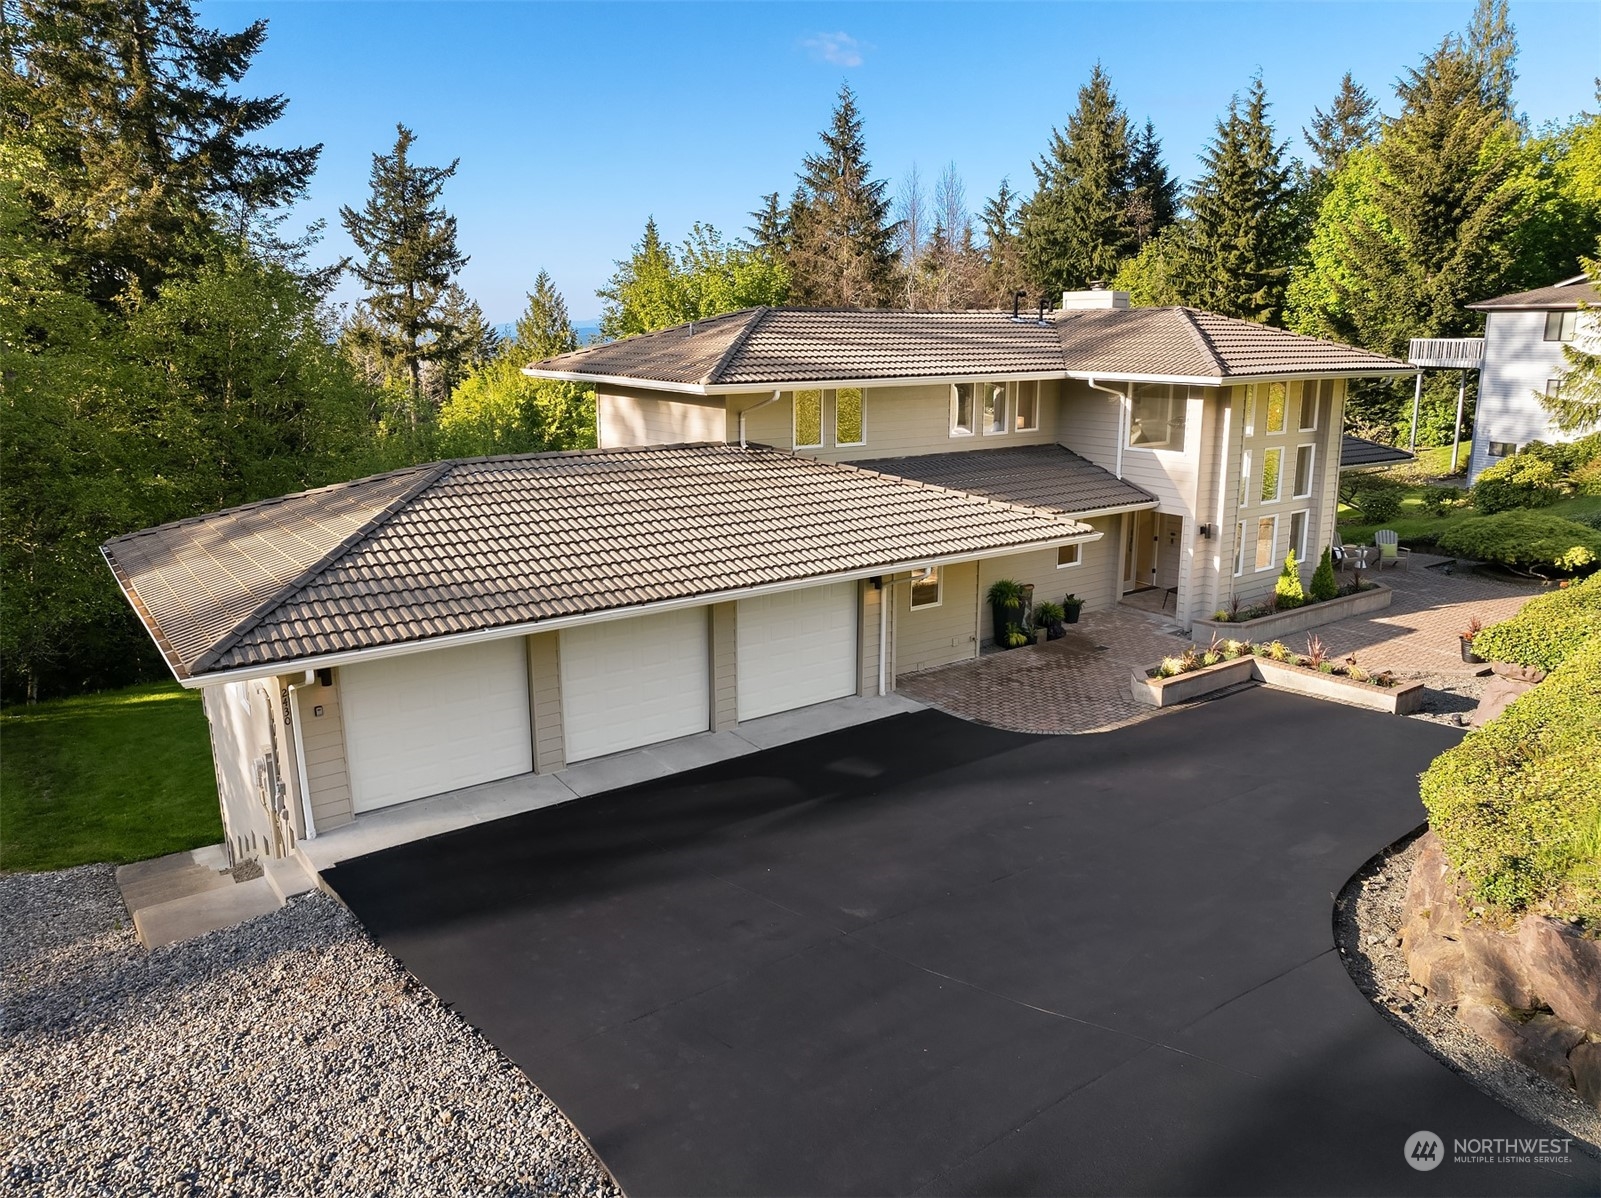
column 1391, row 551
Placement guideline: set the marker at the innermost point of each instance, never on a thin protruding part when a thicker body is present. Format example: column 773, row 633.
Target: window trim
column 972, row 412
column 1312, row 401
column 1005, row 411
column 1078, row 556
column 1242, row 497
column 1311, row 472
column 794, row 417
column 1278, row 479
column 1273, row 547
column 1306, row 525
column 861, row 399
column 1168, row 446
column 1239, row 548
column 1017, row 407
column 1567, row 325
column 1284, row 412
column 939, row 591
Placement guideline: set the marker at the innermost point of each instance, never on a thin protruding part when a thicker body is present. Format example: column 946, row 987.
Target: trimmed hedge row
column 1517, row 805
column 1547, row 630
column 1529, row 542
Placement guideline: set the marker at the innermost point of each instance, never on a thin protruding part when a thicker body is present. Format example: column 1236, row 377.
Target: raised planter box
column 1297, row 619
column 1402, row 699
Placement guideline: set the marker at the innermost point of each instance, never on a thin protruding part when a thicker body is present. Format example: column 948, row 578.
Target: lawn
column 1416, row 527
column 118, row 776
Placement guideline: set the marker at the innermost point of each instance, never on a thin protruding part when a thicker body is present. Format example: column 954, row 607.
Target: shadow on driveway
column 926, row 956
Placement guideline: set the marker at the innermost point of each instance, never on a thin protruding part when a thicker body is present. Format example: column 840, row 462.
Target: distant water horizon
column 586, row 330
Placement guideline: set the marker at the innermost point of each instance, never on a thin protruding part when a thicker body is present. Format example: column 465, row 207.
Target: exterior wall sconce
column 1206, row 532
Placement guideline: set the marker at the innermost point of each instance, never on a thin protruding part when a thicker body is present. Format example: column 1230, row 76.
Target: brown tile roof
column 1044, row 476
column 765, row 346
column 471, row 545
column 1569, row 293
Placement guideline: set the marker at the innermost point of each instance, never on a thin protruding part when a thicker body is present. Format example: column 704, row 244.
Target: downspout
column 1122, row 418
column 300, row 752
column 777, row 395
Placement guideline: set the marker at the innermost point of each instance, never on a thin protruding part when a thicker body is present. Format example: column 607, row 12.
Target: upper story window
column 1275, row 407
column 1561, row 326
column 1027, row 407
column 849, row 426
column 962, row 408
column 1314, row 395
column 1305, row 460
column 996, row 408
column 993, row 409
column 1156, row 416
column 1272, row 474
column 808, row 419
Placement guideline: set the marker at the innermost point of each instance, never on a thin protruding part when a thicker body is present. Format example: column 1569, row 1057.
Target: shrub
column 1287, row 590
column 1439, row 500
column 1516, row 804
column 1586, row 480
column 1377, row 498
column 1534, row 543
column 1548, row 630
column 1047, row 614
column 1566, row 457
column 1324, row 585
column 1521, row 481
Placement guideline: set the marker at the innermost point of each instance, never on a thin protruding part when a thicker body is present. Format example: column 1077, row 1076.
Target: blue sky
column 574, row 122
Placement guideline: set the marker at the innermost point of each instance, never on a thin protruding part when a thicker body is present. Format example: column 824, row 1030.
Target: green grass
column 1416, row 527
column 117, row 777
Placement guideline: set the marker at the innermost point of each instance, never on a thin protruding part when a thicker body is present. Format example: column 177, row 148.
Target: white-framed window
column 1239, row 549
column 997, row 416
column 963, row 400
column 1156, row 416
column 1069, row 555
column 1027, row 406
column 1272, row 474
column 1561, row 326
column 850, row 417
column 1249, row 422
column 808, row 407
column 926, row 589
column 1267, row 536
column 1553, row 388
column 1314, row 395
column 1503, row 449
column 1298, row 526
column 1305, row 462
column 1276, row 408
column 1243, row 499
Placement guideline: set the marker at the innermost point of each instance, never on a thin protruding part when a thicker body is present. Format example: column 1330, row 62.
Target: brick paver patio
column 1081, row 683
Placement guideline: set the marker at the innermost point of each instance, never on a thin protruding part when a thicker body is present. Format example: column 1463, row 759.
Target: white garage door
column 796, row 648
column 626, row 683
column 429, row 722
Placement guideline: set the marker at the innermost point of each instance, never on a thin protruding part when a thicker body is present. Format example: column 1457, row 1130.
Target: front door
column 1169, row 532
column 1139, row 553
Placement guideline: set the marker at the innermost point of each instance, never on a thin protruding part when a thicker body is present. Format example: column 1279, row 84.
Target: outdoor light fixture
column 1206, row 532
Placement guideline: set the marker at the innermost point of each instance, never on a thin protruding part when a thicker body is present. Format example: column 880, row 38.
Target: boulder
column 1585, row 1061
column 1506, row 683
column 1542, row 1042
column 1563, row 968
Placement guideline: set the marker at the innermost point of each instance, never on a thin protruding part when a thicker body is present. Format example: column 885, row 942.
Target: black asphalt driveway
column 922, row 956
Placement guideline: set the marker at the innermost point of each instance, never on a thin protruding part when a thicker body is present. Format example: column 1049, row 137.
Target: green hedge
column 1547, row 630
column 1517, row 805
column 1521, row 481
column 1529, row 542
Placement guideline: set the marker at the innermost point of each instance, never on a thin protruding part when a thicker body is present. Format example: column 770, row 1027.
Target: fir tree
column 1075, row 227
column 409, row 243
column 1350, row 123
column 1287, row 590
column 469, row 342
column 1493, row 47
column 544, row 329
column 844, row 245
column 1003, row 255
column 1243, row 216
column 645, row 292
column 1153, row 192
column 769, row 236
column 1323, row 586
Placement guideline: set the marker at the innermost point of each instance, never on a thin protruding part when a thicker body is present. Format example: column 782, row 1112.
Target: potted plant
column 1071, row 606
column 1014, row 637
column 1475, row 626
column 1051, row 616
column 1006, row 606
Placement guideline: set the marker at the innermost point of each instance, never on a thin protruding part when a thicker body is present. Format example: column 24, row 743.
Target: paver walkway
column 1080, row 683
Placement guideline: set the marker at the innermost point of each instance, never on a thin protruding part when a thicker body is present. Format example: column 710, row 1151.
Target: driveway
column 923, row 956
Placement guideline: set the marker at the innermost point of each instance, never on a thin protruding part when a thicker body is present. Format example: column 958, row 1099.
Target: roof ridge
column 430, row 476
column 759, row 315
column 1203, row 339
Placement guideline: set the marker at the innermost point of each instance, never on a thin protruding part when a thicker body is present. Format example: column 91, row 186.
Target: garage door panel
column 424, row 723
column 796, row 648
column 633, row 682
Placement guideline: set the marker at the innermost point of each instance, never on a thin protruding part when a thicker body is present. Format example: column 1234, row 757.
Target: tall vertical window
column 808, row 419
column 1250, row 409
column 962, row 409
column 1028, row 406
column 1244, row 497
column 1277, row 407
column 1267, row 535
column 1313, row 396
column 1272, row 471
column 1561, row 326
column 1298, row 535
column 1239, row 548
column 1305, row 459
column 1156, row 417
column 848, row 426
column 995, row 414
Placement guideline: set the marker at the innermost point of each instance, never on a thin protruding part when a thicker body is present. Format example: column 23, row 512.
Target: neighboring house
column 1524, row 335
column 787, row 507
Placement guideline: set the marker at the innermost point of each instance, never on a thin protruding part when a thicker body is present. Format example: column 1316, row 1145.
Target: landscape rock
column 1508, row 682
column 1564, row 968
column 1452, row 956
column 1585, row 1061
column 1541, row 1042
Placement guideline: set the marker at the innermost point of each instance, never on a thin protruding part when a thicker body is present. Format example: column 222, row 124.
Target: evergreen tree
column 844, row 242
column 1287, row 590
column 409, row 243
column 1324, row 586
column 139, row 140
column 1576, row 406
column 470, row 341
column 1493, row 47
column 1153, row 192
column 1003, row 252
column 1075, row 228
column 645, row 292
column 769, row 236
column 1243, row 216
column 654, row 287
column 1350, row 123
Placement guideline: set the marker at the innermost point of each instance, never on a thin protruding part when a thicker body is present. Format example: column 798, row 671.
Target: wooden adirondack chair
column 1391, row 551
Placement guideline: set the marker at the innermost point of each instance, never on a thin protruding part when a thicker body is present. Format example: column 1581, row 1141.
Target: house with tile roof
column 786, row 508
column 1524, row 336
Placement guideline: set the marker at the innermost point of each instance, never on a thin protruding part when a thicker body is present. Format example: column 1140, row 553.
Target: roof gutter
column 527, row 627
column 1122, row 417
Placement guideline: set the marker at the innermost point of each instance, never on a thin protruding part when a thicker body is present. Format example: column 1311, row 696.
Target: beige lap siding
column 725, row 666
column 631, row 417
column 544, row 700
column 867, row 642
column 323, row 737
column 1093, row 580
column 940, row 635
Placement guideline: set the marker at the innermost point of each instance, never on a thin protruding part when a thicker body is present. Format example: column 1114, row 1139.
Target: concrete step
column 287, row 878
column 162, row 879
column 196, row 914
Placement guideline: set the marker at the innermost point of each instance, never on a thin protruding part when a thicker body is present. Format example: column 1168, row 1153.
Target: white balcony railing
column 1453, row 353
